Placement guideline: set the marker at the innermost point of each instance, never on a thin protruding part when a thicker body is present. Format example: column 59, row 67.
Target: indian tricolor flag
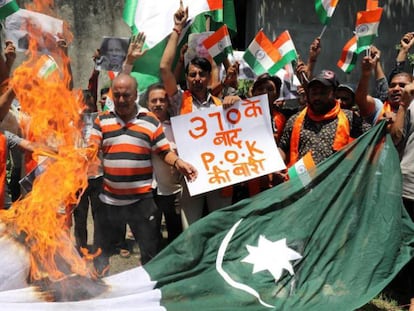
column 7, row 7
column 219, row 44
column 261, row 55
column 367, row 28
column 325, row 9
column 348, row 56
column 301, row 170
column 156, row 17
column 286, row 48
column 47, row 66
column 372, row 5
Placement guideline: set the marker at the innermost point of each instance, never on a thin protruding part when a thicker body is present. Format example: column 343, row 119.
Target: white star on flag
column 271, row 256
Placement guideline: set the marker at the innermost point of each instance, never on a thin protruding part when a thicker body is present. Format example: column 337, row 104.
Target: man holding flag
column 197, row 97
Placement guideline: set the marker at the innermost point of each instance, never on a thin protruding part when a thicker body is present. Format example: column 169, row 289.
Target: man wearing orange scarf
column 322, row 127
column 198, row 75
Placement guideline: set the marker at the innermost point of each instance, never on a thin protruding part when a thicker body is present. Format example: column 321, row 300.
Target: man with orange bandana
column 198, row 75
column 322, row 127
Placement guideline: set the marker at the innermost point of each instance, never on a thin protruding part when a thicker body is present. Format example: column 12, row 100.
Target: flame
column 55, row 121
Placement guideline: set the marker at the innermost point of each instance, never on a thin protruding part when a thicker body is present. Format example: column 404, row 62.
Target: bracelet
column 175, row 162
column 177, row 31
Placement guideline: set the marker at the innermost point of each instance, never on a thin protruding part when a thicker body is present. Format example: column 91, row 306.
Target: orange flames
column 39, row 219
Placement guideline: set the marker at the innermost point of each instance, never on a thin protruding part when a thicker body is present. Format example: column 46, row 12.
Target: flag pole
column 323, row 31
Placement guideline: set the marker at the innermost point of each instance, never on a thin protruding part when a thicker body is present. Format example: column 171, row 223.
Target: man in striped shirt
column 128, row 136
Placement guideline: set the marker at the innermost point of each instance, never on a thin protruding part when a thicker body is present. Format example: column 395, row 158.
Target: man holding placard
column 197, row 97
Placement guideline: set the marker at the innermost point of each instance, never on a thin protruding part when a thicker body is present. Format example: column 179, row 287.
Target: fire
column 39, row 219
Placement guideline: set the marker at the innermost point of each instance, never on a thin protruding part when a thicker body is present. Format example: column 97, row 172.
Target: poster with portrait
column 113, row 51
column 228, row 146
column 25, row 25
column 196, row 47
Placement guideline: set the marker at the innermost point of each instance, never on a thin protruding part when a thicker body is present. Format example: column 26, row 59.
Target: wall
column 92, row 19
column 89, row 21
column 299, row 17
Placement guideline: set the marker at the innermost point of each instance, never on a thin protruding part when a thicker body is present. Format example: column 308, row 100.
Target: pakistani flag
column 155, row 19
column 7, row 7
column 333, row 244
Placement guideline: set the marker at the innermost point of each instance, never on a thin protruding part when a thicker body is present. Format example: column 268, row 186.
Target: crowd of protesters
column 140, row 178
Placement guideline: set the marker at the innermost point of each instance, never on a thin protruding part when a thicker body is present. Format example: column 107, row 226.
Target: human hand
column 96, row 55
column 231, row 75
column 180, row 16
column 184, row 49
column 302, row 71
column 375, row 54
column 407, row 95
column 186, row 169
column 136, row 48
column 314, row 49
column 230, row 100
column 407, row 41
column 10, row 53
column 368, row 63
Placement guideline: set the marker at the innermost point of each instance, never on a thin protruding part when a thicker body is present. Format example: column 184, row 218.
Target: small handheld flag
column 325, row 9
column 367, row 28
column 286, row 48
column 261, row 55
column 348, row 56
column 219, row 44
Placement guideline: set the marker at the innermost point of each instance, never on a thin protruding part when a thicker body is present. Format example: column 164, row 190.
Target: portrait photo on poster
column 113, row 51
column 24, row 25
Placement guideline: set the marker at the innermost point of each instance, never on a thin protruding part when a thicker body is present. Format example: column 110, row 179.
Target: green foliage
column 410, row 58
column 244, row 87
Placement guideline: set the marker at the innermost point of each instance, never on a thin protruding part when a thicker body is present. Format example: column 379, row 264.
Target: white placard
column 227, row 146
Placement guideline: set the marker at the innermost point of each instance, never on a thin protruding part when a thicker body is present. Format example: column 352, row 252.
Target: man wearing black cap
column 322, row 128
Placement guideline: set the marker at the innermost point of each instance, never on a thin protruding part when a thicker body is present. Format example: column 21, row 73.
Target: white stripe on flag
column 286, row 47
column 261, row 56
column 219, row 47
column 367, row 29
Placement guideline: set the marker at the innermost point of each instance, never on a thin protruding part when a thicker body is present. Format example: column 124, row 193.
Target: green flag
column 8, row 7
column 146, row 69
column 332, row 244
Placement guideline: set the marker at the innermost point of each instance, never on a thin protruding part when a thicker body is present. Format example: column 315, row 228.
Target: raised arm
column 406, row 42
column 364, row 101
column 135, row 51
column 166, row 71
column 10, row 55
column 220, row 89
column 314, row 51
column 381, row 83
column 397, row 127
column 179, row 67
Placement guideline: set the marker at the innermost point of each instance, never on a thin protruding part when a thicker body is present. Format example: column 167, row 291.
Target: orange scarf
column 385, row 108
column 187, row 102
column 342, row 136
